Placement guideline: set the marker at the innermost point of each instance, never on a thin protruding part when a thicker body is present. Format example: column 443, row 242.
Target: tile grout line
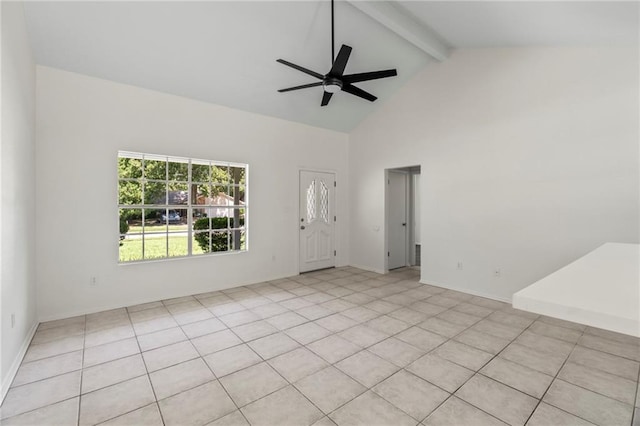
column 555, row 377
column 84, row 337
column 277, row 372
column 289, row 383
column 497, row 355
column 591, row 390
column 293, row 384
column 365, row 323
column 404, row 368
column 144, row 362
column 333, row 365
column 576, row 345
column 634, row 413
column 220, row 382
column 217, row 379
column 400, row 368
column 452, row 394
column 82, row 367
column 117, row 383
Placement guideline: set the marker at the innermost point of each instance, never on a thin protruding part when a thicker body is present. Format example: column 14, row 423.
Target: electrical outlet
column 497, row 272
column 93, row 281
column 13, row 320
column 460, row 266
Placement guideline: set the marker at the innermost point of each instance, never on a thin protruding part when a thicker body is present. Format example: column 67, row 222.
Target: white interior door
column 397, row 219
column 317, row 216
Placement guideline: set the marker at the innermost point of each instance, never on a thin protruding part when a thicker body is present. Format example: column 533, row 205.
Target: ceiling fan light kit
column 335, row 80
column 332, row 85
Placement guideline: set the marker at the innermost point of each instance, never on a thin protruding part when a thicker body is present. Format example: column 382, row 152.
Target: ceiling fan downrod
column 333, row 43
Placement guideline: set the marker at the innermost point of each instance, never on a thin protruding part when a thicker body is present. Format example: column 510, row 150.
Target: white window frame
column 189, row 206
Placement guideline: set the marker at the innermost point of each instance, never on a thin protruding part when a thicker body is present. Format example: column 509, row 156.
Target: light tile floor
column 340, row 346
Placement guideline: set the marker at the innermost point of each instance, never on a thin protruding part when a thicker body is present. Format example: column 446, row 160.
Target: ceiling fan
column 335, row 80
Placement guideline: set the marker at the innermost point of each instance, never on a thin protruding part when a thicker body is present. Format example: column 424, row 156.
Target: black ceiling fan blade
column 299, row 68
column 341, row 61
column 326, row 98
column 304, row 86
column 358, row 92
column 366, row 76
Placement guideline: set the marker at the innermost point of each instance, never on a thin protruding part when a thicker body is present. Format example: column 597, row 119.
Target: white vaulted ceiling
column 530, row 23
column 225, row 52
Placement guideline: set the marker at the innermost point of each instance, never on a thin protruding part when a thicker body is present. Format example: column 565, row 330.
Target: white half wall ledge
column 402, row 22
column 601, row 289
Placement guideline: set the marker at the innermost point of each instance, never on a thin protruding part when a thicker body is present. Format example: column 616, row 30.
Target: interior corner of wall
column 13, row 370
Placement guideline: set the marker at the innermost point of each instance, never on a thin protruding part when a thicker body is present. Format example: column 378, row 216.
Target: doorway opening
column 402, row 217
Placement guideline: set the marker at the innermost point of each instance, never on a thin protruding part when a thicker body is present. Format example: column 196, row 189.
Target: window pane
column 222, row 221
column 237, row 195
column 220, row 174
column 200, row 173
column 200, row 242
column 213, row 193
column 220, row 196
column 155, row 169
column 178, row 244
column 238, row 240
column 200, row 194
column 197, row 214
column 236, row 218
column 178, row 193
column 129, row 168
column 155, row 220
column 130, row 220
column 129, row 192
column 237, row 175
column 130, row 248
column 311, row 201
column 324, row 202
column 155, row 193
column 155, row 246
column 219, row 241
column 177, row 219
column 201, row 223
column 179, row 170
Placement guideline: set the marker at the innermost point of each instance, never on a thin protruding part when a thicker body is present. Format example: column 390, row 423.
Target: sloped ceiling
column 224, row 52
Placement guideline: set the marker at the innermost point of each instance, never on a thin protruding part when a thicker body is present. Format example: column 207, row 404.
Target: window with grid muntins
column 174, row 207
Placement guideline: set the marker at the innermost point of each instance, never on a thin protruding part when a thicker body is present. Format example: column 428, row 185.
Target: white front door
column 316, row 221
column 397, row 219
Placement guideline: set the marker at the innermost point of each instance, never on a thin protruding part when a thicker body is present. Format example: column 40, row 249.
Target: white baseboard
column 466, row 290
column 11, row 374
column 75, row 313
column 102, row 308
column 368, row 268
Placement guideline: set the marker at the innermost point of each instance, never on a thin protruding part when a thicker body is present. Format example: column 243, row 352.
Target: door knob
column 404, row 224
column 302, row 227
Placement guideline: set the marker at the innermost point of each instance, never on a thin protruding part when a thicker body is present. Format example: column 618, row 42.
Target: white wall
column 81, row 124
column 17, row 190
column 529, row 160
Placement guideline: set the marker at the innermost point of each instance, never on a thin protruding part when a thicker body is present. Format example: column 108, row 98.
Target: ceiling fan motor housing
column 332, row 84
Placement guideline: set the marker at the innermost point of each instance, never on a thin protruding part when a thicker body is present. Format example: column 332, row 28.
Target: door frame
column 387, row 215
column 335, row 209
